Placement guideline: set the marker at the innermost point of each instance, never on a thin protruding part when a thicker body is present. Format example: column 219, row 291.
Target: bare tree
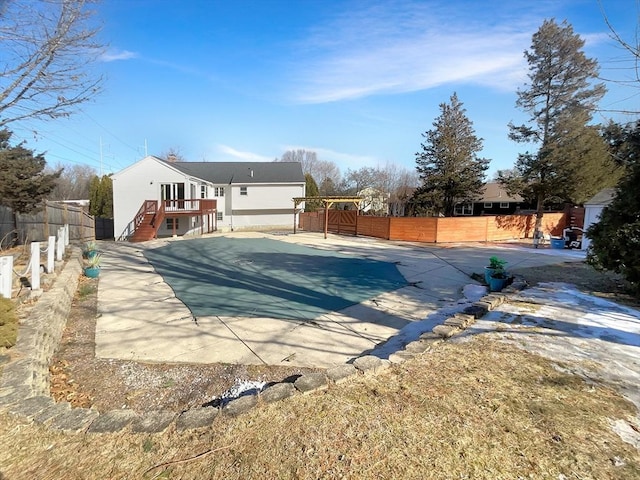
column 73, row 182
column 400, row 183
column 306, row 157
column 45, row 47
column 173, row 154
column 385, row 190
column 325, row 172
column 632, row 47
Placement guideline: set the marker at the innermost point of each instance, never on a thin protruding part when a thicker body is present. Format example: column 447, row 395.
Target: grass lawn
column 477, row 410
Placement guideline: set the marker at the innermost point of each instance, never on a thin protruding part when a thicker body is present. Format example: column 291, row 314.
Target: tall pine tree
column 448, row 165
column 560, row 99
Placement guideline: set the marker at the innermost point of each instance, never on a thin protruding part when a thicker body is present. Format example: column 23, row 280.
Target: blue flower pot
column 488, row 271
column 497, row 284
column 92, row 272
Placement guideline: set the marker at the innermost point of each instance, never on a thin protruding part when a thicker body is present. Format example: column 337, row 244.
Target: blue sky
column 355, row 81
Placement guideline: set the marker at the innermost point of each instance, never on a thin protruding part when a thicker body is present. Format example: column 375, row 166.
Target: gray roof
column 226, row 173
column 494, row 192
column 603, row 197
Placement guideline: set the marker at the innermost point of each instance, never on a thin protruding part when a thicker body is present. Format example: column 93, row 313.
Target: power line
column 111, row 133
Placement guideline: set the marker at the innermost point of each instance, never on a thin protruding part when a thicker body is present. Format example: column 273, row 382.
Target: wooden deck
column 151, row 215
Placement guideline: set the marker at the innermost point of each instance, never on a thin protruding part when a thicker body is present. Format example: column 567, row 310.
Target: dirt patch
column 105, row 384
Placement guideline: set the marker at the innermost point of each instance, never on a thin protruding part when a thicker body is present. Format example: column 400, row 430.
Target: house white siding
column 135, row 184
column 245, row 204
column 593, row 209
column 263, row 206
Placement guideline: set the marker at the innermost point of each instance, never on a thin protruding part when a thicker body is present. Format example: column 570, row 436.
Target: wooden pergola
column 328, row 203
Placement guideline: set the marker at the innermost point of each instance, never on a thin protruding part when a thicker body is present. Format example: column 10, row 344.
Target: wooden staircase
column 146, row 222
column 151, row 215
column 145, row 231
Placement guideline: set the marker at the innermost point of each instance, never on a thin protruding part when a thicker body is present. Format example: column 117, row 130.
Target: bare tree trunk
column 15, row 235
column 537, row 231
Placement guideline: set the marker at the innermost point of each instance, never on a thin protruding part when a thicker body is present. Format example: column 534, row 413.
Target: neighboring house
column 593, row 208
column 154, row 197
column 374, row 201
column 494, row 201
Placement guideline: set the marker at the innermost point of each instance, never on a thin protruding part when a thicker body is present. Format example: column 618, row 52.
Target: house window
column 219, row 216
column 219, row 191
column 170, row 223
column 203, row 191
column 243, row 190
column 488, row 204
column 464, row 209
column 504, row 204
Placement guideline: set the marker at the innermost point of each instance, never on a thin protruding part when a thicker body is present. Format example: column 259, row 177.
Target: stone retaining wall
column 24, row 386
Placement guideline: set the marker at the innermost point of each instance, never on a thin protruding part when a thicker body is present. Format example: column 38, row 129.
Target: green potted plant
column 89, row 249
column 495, row 265
column 498, row 277
column 92, row 265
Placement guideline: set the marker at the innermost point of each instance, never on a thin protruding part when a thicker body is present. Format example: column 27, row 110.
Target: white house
column 374, row 201
column 593, row 208
column 178, row 198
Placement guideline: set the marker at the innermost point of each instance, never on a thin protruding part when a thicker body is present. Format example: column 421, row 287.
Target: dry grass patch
column 607, row 285
column 478, row 410
column 8, row 323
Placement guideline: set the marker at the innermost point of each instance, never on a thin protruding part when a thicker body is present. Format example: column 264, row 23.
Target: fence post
column 34, row 265
column 6, row 275
column 66, row 234
column 60, row 244
column 50, row 254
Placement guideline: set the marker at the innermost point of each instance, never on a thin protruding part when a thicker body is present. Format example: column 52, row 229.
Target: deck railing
column 189, row 205
column 149, row 206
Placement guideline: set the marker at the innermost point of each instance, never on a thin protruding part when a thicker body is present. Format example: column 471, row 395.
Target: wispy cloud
column 245, row 156
column 410, row 46
column 113, row 56
column 343, row 160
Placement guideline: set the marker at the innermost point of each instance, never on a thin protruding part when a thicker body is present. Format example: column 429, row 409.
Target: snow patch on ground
column 239, row 389
column 596, row 338
column 412, row 331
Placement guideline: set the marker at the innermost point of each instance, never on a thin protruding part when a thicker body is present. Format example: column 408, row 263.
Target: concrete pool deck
column 140, row 318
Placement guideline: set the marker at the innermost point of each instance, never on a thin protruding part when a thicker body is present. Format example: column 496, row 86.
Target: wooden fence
column 435, row 229
column 37, row 227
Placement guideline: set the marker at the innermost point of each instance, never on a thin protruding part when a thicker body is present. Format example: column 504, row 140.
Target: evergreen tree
column 95, row 201
column 106, row 192
column 560, row 99
column 101, row 197
column 448, row 165
column 24, row 185
column 615, row 239
column 311, row 190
